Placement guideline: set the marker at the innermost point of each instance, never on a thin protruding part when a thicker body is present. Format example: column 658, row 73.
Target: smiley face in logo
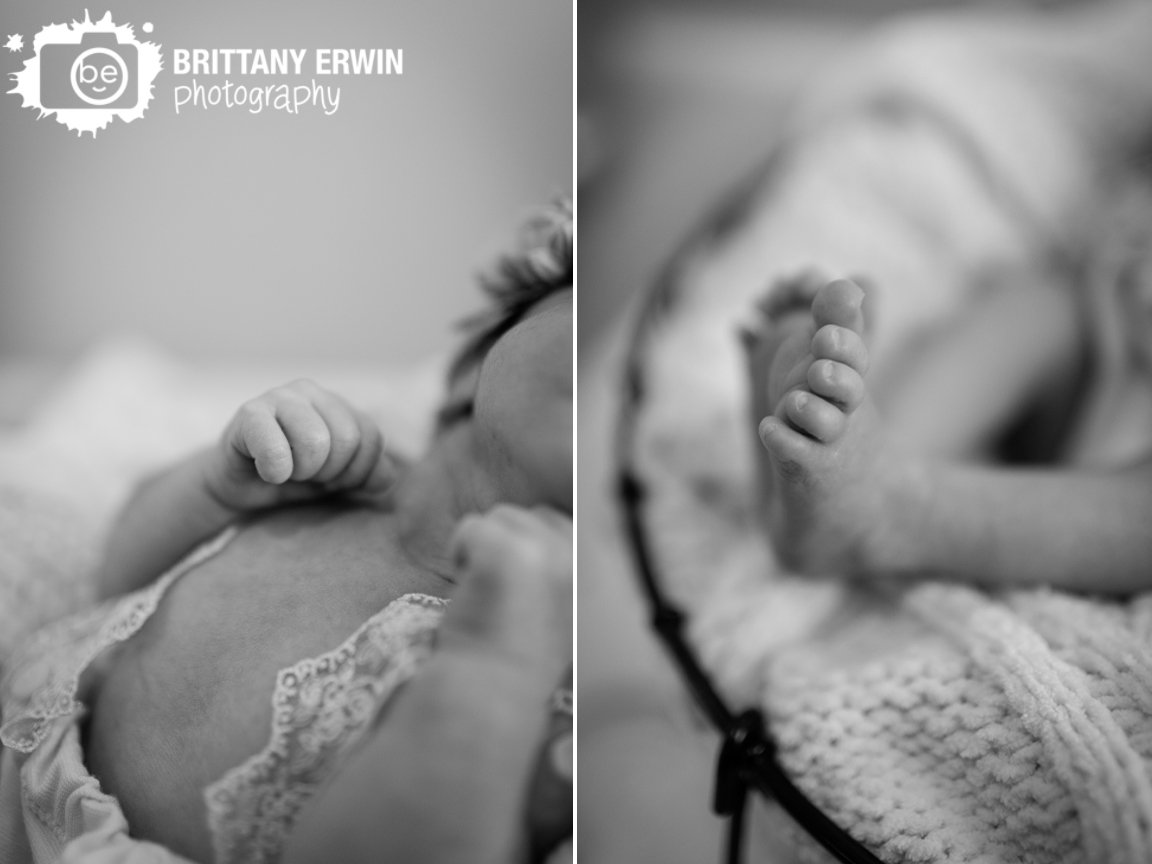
column 99, row 76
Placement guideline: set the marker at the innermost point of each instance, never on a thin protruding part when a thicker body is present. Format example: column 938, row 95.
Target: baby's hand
column 297, row 442
column 515, row 596
column 513, row 611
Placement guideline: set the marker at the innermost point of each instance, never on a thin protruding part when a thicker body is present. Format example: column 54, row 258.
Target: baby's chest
column 296, row 631
column 224, row 630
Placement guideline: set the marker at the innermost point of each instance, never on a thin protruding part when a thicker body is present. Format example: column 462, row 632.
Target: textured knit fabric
column 986, row 729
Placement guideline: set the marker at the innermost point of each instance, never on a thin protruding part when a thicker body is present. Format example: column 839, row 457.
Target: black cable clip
column 743, row 746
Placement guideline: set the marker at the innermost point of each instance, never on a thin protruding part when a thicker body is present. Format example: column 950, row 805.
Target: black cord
column 747, row 753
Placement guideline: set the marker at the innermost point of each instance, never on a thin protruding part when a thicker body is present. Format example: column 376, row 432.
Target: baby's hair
column 540, row 266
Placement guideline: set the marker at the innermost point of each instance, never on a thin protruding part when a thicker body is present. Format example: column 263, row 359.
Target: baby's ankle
column 890, row 545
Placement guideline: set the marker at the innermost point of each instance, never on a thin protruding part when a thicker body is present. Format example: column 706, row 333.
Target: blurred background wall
column 679, row 101
column 219, row 235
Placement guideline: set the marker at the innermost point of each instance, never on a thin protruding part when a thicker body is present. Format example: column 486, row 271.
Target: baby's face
column 522, row 411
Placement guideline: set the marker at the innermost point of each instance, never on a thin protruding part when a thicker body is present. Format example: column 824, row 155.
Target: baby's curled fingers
column 260, row 438
column 371, row 469
column 303, row 433
column 345, row 434
column 307, row 435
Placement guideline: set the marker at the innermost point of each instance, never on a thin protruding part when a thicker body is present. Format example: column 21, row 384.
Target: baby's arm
column 169, row 513
column 290, row 444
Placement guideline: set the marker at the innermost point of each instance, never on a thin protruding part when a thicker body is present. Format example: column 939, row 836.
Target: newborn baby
column 214, row 702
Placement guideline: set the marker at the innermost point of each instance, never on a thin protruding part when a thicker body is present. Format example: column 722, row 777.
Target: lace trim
column 319, row 708
column 42, row 681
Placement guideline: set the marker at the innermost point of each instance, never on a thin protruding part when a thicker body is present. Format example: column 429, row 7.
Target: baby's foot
column 830, row 479
column 777, row 352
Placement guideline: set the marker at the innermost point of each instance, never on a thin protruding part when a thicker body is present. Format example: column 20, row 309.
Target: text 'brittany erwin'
column 287, row 61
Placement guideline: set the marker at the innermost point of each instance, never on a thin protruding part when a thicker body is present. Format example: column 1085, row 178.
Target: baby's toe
column 840, row 302
column 792, row 293
column 787, row 446
column 833, row 342
column 813, row 415
column 837, row 383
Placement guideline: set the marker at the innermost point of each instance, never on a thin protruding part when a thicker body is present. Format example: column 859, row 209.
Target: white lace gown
column 52, row 809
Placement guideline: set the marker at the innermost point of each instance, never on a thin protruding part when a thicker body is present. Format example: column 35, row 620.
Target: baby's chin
column 551, row 485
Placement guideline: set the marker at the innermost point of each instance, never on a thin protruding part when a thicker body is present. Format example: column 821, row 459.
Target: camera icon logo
column 99, row 72
column 89, row 74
